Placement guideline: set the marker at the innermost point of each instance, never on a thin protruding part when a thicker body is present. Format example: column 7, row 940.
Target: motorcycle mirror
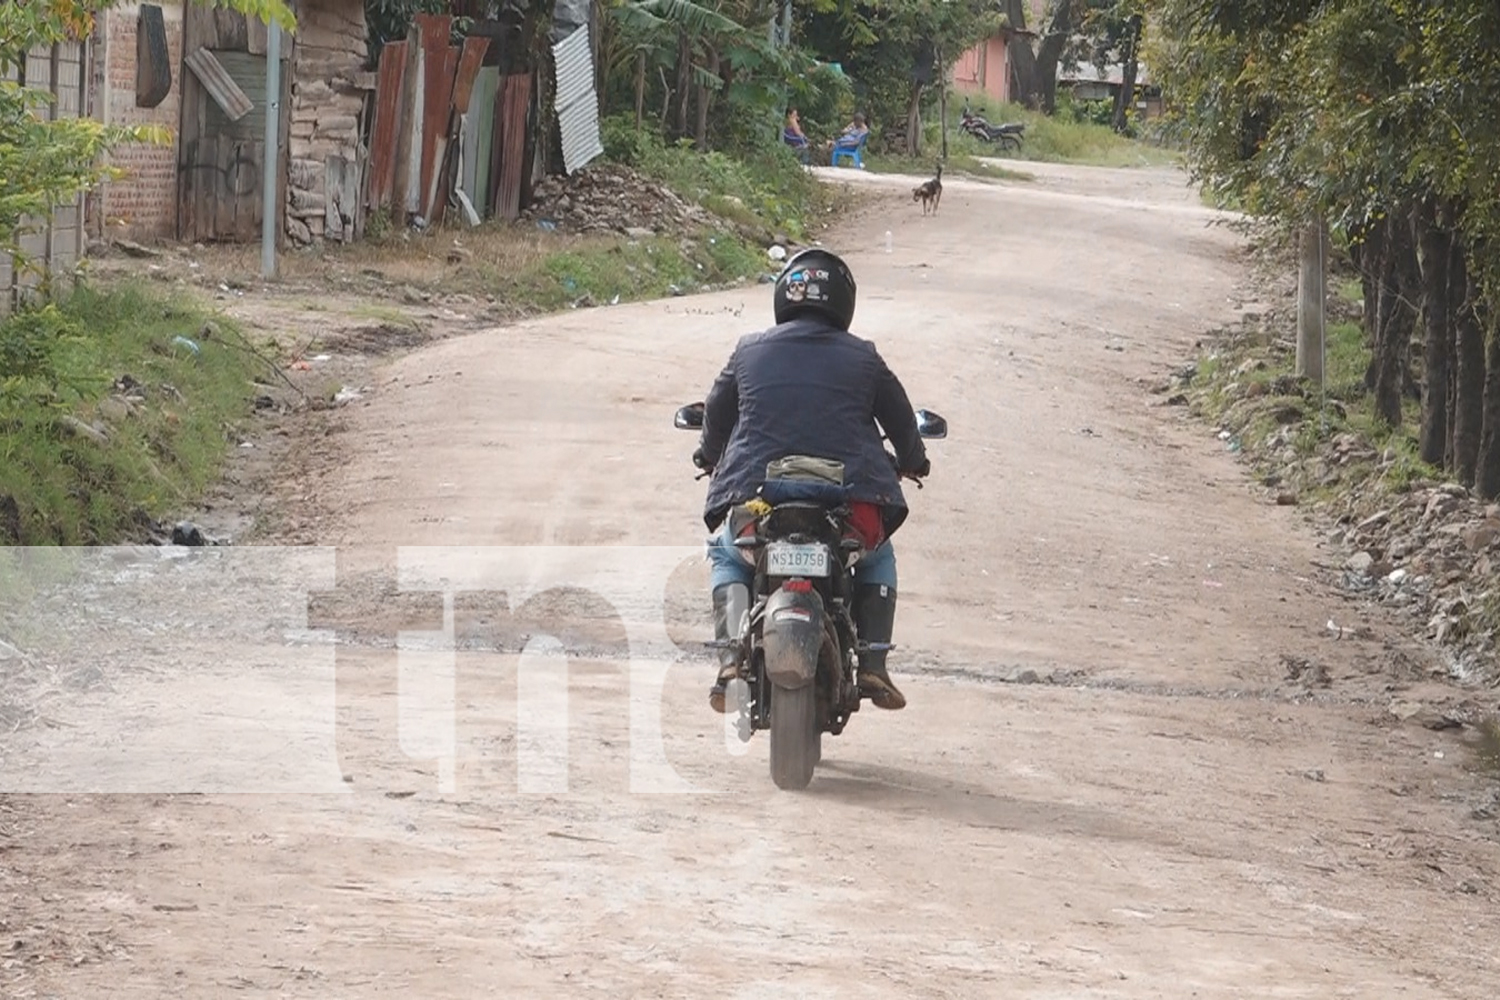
column 930, row 425
column 689, row 418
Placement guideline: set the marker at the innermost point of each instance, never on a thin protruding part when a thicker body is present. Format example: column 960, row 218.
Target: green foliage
column 1345, row 108
column 766, row 188
column 600, row 271
column 887, row 47
column 63, row 360
column 1062, row 138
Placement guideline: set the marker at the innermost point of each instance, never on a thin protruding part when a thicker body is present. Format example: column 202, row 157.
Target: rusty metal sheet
column 389, row 80
column 469, row 63
column 468, row 70
column 219, row 84
column 439, row 61
column 512, row 110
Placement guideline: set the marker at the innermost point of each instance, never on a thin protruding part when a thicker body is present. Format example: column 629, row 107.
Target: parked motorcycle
column 797, row 647
column 1008, row 134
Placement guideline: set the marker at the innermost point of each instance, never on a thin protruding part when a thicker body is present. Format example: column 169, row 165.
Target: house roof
column 1089, row 73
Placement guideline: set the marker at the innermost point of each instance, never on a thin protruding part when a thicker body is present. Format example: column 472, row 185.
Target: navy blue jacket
column 808, row 388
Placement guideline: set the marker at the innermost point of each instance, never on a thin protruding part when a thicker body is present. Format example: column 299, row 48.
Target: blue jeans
column 877, row 566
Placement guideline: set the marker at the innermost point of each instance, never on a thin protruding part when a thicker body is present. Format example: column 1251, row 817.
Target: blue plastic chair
column 854, row 154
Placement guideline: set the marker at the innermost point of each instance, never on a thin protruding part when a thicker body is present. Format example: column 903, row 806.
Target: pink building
column 984, row 70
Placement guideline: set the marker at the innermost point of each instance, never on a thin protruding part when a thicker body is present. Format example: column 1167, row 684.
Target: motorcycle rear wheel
column 796, row 739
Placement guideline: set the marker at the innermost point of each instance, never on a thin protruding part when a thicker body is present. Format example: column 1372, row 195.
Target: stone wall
column 326, row 156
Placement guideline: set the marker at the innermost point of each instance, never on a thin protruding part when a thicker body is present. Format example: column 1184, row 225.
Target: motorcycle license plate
column 786, row 559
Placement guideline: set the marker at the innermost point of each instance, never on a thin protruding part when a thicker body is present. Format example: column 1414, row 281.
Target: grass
column 1059, row 139
column 762, row 189
column 1249, row 404
column 156, row 454
column 602, row 270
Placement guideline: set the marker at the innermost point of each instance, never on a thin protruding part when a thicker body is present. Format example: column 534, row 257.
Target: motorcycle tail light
column 797, row 586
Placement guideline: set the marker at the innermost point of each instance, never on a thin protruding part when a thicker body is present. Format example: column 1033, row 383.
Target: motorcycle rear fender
column 793, row 631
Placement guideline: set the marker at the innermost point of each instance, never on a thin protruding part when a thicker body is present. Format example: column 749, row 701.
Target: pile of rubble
column 1429, row 550
column 612, row 198
column 1434, row 553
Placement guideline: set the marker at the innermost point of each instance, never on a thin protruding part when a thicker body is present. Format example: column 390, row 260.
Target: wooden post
column 1312, row 293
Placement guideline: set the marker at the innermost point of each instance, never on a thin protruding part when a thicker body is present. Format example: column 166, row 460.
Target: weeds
column 124, row 418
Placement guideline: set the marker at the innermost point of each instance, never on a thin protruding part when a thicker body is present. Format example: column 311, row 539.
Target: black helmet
column 815, row 280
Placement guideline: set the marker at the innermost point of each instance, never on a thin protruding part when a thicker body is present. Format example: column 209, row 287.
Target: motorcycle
column 1008, row 134
column 796, row 648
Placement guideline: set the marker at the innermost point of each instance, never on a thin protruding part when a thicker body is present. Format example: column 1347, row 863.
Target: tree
column 1382, row 116
column 44, row 162
column 895, row 50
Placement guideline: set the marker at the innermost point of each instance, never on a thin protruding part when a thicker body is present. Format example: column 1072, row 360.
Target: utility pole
column 270, row 168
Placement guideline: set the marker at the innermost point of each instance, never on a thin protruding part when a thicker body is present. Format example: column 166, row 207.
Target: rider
column 809, row 387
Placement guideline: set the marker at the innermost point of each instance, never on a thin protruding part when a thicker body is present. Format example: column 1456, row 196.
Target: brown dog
column 930, row 192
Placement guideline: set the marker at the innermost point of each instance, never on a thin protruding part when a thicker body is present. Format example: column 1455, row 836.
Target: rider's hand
column 700, row 461
column 922, row 471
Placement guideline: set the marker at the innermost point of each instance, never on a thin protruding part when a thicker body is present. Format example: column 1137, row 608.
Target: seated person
column 792, row 133
column 853, row 135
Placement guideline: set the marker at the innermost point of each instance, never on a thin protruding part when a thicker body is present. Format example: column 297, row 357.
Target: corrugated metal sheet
column 219, row 84
column 577, row 104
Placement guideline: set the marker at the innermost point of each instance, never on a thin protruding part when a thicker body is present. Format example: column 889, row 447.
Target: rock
column 1480, row 536
column 1431, row 718
column 115, row 410
column 1286, row 499
column 187, row 533
column 83, row 430
column 1397, row 577
column 1373, row 521
column 1024, row 675
column 639, row 232
column 1404, row 710
column 298, row 231
column 1438, row 505
column 132, row 249
column 1360, row 562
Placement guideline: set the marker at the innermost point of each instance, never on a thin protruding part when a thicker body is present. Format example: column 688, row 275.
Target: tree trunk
column 1125, row 99
column 1312, row 293
column 943, row 101
column 1436, row 244
column 1395, row 321
column 914, row 122
column 640, row 88
column 1019, row 56
column 1362, row 255
column 1487, row 478
column 700, row 130
column 705, row 98
column 684, row 82
column 1468, row 372
column 1049, row 54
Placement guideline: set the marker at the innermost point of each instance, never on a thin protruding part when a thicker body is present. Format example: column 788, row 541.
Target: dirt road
column 1107, row 783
